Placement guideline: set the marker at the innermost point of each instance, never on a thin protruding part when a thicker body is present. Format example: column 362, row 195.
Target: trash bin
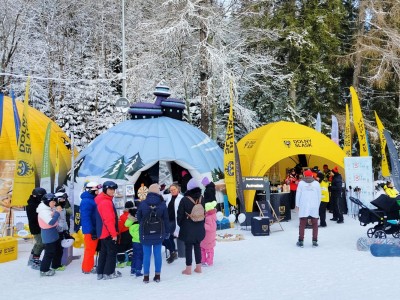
column 181, row 248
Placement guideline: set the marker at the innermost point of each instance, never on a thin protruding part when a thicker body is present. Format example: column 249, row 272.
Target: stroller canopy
column 384, row 202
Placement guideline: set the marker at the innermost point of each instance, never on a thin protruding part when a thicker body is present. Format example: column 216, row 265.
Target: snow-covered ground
column 263, row 267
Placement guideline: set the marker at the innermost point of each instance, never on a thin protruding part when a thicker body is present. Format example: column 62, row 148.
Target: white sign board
column 20, row 217
column 359, row 175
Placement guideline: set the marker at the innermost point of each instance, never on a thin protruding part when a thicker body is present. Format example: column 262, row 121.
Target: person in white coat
column 308, row 199
column 172, row 201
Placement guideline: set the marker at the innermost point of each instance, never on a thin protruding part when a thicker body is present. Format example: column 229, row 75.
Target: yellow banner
column 229, row 156
column 384, row 162
column 57, row 167
column 347, row 133
column 24, row 176
column 359, row 123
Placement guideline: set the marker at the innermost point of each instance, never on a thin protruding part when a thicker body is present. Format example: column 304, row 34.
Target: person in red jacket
column 124, row 243
column 292, row 180
column 107, row 231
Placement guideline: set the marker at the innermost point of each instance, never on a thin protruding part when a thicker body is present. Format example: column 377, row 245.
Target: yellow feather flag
column 359, row 123
column 57, row 167
column 384, row 162
column 347, row 133
column 24, row 176
column 229, row 155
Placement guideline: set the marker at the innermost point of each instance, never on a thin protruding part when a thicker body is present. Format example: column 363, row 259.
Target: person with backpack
column 107, row 231
column 33, row 202
column 153, row 218
column 190, row 219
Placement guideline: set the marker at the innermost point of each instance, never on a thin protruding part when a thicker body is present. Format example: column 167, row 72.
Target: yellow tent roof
column 37, row 128
column 283, row 142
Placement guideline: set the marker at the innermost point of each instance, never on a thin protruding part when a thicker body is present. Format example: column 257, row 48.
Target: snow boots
column 173, row 256
column 48, row 273
column 187, row 271
column 198, row 268
column 157, row 277
column 300, row 244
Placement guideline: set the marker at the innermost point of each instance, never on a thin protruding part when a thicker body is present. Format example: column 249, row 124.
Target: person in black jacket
column 33, row 202
column 336, row 195
column 192, row 233
column 209, row 192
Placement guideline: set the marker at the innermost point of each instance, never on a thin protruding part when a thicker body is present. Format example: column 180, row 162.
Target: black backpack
column 153, row 226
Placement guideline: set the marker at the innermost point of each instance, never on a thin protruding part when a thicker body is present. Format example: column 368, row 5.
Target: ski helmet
column 92, row 185
column 47, row 198
column 109, row 185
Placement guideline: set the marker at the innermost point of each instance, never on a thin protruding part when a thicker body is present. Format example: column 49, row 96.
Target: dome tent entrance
column 285, row 144
column 129, row 148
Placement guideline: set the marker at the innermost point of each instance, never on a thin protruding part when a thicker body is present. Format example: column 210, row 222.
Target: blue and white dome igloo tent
column 131, row 152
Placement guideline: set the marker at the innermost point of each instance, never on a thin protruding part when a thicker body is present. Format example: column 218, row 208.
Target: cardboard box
column 8, row 249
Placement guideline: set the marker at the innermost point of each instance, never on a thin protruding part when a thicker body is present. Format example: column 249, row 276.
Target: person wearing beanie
column 191, row 232
column 172, row 201
column 207, row 245
column 336, row 195
column 33, row 202
column 48, row 215
column 88, row 225
column 209, row 192
column 308, row 199
column 124, row 241
column 152, row 242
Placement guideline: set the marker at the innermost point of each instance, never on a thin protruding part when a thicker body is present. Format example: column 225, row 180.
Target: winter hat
column 308, row 173
column 335, row 169
column 154, row 188
column 129, row 204
column 211, row 205
column 184, row 173
column 192, row 184
column 315, row 169
column 205, row 181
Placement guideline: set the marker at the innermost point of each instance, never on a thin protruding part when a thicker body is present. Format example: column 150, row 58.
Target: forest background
column 287, row 60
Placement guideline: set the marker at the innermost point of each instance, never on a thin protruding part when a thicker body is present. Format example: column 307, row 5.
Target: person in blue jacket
column 88, row 223
column 152, row 242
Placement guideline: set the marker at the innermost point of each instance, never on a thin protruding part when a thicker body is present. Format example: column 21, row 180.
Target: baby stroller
column 386, row 216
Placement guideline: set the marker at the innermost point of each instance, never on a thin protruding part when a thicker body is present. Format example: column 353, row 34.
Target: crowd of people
column 130, row 239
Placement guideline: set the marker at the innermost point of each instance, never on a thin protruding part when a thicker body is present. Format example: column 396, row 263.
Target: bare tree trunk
column 357, row 63
column 204, row 75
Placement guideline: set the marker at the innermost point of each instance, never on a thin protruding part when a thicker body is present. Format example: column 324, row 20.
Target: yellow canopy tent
column 37, row 127
column 282, row 145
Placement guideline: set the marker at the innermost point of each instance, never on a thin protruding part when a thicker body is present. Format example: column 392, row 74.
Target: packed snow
column 257, row 267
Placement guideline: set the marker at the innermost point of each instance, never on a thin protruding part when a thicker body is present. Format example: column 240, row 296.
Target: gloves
column 94, row 236
column 166, row 236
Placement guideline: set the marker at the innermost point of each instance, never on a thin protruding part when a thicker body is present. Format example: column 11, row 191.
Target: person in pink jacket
column 208, row 243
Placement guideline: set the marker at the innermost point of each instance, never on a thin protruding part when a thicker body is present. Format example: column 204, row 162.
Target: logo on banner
column 24, row 169
column 229, row 168
column 298, row 143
